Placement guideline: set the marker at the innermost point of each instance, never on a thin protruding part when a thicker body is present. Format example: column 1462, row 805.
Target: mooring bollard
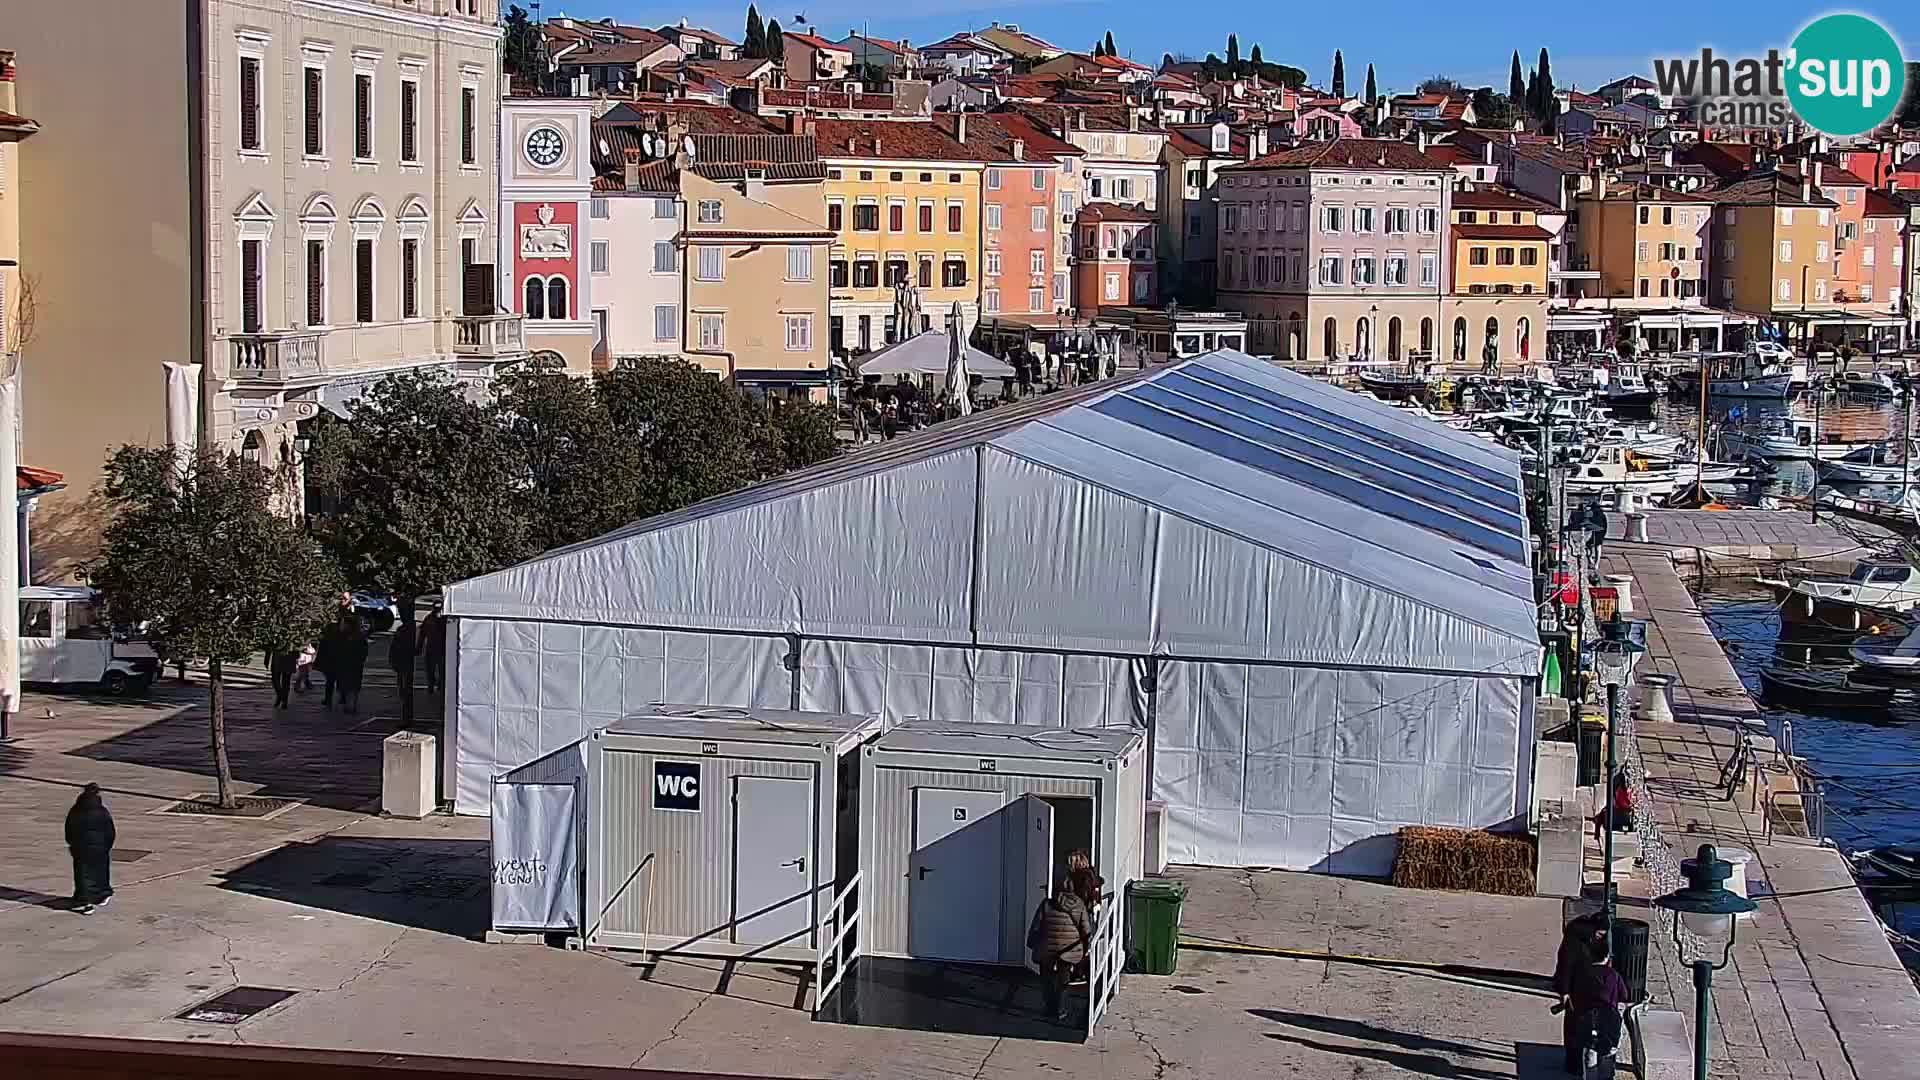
column 1623, row 589
column 1654, row 706
column 1637, row 528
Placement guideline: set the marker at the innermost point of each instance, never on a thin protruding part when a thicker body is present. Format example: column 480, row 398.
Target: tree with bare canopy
column 196, row 554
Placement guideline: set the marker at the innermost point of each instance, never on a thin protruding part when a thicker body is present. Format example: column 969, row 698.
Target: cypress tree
column 1233, row 53
column 1339, row 75
column 1373, row 91
column 1546, row 108
column 776, row 43
column 756, row 43
column 1254, row 58
column 1109, row 44
column 1517, row 82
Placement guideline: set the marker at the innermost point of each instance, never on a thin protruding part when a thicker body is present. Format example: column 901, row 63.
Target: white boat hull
column 1847, row 472
column 1786, row 447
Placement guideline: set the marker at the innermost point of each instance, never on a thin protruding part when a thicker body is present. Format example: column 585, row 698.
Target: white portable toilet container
column 708, row 831
column 965, row 828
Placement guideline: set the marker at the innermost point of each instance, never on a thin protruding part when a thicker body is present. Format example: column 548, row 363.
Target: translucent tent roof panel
column 1218, row 506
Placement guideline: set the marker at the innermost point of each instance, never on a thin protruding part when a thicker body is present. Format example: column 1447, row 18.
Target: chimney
column 1252, row 151
column 631, row 170
column 1133, row 119
column 1019, row 149
column 755, row 185
column 1666, row 157
column 1806, row 188
column 795, row 123
column 1599, row 184
column 1819, row 173
column 1079, row 119
column 1261, row 134
column 850, row 150
column 876, row 146
column 960, row 125
column 810, row 128
column 1420, row 138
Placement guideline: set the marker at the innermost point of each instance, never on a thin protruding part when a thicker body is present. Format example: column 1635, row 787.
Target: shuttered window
column 316, row 283
column 314, row 110
column 468, row 97
column 409, row 121
column 250, row 286
column 249, row 103
column 363, row 116
column 363, row 280
column 409, row 279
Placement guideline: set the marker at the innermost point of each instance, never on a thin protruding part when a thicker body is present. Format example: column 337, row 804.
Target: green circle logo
column 1845, row 75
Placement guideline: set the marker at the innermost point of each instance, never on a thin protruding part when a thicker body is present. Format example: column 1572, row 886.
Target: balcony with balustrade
column 489, row 337
column 278, row 356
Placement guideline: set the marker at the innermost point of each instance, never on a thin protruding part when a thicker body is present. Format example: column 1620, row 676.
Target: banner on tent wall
column 536, row 878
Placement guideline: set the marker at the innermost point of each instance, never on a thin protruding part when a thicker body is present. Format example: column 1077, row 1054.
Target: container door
column 956, row 891
column 85, row 645
column 772, row 861
column 1036, row 817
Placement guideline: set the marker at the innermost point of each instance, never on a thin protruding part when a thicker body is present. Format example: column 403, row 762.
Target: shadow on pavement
column 964, row 999
column 437, row 885
column 1362, row 1031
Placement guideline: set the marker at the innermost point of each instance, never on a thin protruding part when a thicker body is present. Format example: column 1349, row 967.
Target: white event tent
column 1316, row 605
column 928, row 353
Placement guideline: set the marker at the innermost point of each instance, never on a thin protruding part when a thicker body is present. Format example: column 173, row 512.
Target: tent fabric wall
column 1312, row 768
column 527, row 689
column 988, row 686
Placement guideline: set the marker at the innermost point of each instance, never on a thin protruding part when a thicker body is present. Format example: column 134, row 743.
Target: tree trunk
column 217, row 716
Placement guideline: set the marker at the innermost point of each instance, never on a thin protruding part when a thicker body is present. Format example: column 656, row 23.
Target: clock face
column 544, row 146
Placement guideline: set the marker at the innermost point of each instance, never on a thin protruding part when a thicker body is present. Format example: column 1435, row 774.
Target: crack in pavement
column 1160, row 1063
column 42, row 984
column 226, row 956
column 672, row 1032
column 374, row 963
column 982, row 1070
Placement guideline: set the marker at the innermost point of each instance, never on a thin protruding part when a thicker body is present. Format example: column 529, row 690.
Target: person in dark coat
column 280, row 666
column 351, row 662
column 433, row 648
column 1578, row 941
column 326, row 658
column 1595, row 995
column 1058, row 939
column 90, row 841
column 401, row 652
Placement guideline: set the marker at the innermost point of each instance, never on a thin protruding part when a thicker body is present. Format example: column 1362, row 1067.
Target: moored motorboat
column 1796, row 440
column 1815, row 690
column 1886, row 654
column 1863, row 602
column 1393, row 385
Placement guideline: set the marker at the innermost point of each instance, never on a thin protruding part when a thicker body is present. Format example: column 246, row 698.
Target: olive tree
column 196, row 554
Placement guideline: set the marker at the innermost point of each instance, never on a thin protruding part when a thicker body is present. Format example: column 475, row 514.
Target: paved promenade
column 1813, row 989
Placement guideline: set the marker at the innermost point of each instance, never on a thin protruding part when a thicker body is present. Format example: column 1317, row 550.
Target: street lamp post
column 1612, row 660
column 1706, row 907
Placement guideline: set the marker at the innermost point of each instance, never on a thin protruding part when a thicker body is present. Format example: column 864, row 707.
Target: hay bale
column 1464, row 860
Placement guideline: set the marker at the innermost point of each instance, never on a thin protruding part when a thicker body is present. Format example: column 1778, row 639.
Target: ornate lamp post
column 1707, row 908
column 1612, row 661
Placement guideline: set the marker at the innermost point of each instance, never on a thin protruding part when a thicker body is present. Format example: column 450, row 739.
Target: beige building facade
column 289, row 220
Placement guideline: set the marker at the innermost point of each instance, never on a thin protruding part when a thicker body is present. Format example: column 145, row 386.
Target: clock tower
column 546, row 182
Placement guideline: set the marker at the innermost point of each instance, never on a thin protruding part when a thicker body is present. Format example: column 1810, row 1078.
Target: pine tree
column 776, row 43
column 1233, row 53
column 1373, row 90
column 756, row 43
column 1109, row 44
column 1339, row 75
column 1516, row 82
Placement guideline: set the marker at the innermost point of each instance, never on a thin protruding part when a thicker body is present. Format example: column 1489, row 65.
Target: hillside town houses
column 384, row 185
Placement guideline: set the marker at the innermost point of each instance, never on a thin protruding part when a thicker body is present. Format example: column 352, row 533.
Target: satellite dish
column 686, row 143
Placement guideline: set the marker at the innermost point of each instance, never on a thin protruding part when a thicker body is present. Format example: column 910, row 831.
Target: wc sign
column 676, row 786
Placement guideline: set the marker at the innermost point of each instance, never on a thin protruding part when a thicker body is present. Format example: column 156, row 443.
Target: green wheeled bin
column 1153, row 916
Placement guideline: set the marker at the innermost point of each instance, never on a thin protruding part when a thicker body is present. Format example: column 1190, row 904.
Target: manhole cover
column 128, row 854
column 236, row 1005
column 250, row 806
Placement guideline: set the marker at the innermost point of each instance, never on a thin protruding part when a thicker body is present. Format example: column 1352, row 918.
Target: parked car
column 65, row 640
column 377, row 609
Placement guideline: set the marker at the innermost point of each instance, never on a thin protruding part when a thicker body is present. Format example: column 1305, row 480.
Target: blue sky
column 1406, row 41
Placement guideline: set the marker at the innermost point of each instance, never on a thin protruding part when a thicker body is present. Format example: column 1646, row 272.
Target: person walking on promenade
column 433, row 648
column 352, row 662
column 281, row 663
column 90, row 842
column 326, row 659
column 401, row 651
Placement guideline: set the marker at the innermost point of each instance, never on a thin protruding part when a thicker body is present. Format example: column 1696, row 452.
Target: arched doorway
column 1393, row 339
column 1331, row 340
column 1296, row 337
column 1523, row 339
column 1490, row 347
column 1363, row 338
column 1426, row 338
column 1460, row 340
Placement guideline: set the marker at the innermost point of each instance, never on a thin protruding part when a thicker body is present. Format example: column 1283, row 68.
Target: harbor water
column 1839, row 417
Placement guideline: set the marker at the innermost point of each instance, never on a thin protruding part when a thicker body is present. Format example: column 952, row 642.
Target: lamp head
column 1705, row 903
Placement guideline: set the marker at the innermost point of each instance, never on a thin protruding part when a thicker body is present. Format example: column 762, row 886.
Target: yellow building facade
column 1772, row 252
column 1496, row 304
column 1646, row 242
column 903, row 203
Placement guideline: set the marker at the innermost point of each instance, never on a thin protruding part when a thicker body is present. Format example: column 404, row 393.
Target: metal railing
column 839, row 944
column 278, row 356
column 489, row 335
column 1103, row 964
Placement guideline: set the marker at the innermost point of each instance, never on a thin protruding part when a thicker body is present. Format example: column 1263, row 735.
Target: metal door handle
column 799, row 863
column 924, row 871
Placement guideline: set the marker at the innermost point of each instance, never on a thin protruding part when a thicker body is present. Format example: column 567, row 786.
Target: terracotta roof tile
column 29, row 478
column 1115, row 212
column 1349, row 154
column 1496, row 198
column 1501, row 232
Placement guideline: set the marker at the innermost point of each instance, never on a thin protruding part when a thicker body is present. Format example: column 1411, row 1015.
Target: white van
column 65, row 640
